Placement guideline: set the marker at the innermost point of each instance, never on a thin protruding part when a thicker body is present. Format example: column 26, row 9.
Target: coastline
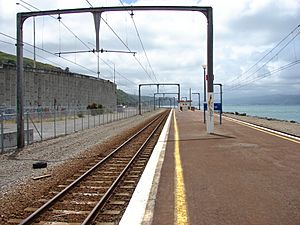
column 269, row 112
column 290, row 127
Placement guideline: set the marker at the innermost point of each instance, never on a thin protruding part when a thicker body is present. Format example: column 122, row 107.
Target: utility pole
column 204, row 87
column 34, row 55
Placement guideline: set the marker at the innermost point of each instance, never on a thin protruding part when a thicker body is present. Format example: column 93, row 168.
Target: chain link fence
column 42, row 124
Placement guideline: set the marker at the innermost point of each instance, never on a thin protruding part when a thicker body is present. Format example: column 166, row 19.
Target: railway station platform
column 240, row 174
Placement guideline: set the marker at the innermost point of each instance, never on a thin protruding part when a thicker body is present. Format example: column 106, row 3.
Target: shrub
column 96, row 109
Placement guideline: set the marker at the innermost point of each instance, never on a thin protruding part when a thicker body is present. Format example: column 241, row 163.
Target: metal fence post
column 41, row 124
column 106, row 117
column 88, row 120
column 82, row 122
column 27, row 121
column 2, row 132
column 95, row 118
column 74, row 114
column 99, row 117
column 54, row 121
column 66, row 122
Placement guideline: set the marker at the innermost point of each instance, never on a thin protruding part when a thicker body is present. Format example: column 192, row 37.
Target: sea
column 281, row 112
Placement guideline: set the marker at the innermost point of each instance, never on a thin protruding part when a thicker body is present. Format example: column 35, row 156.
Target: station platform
column 238, row 175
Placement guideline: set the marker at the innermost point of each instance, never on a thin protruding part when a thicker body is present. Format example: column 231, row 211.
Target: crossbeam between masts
column 21, row 17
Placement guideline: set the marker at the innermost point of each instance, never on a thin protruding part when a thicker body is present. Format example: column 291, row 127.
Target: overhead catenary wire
column 117, row 72
column 62, row 23
column 268, row 53
column 254, row 76
column 138, row 34
column 50, row 61
column 276, row 55
column 134, row 55
column 141, row 42
column 89, row 3
column 266, row 74
column 58, row 65
column 81, row 41
column 88, row 46
column 68, row 60
column 127, row 47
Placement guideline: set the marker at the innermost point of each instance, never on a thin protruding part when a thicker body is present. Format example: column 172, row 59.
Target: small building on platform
column 185, row 105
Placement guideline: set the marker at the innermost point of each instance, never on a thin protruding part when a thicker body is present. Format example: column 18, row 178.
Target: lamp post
column 197, row 93
column 204, row 86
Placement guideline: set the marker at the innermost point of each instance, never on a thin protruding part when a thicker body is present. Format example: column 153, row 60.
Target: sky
column 256, row 44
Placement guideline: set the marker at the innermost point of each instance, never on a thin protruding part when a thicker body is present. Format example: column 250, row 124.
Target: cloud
column 175, row 42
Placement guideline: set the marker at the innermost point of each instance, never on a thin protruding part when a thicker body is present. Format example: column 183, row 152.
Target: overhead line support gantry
column 21, row 17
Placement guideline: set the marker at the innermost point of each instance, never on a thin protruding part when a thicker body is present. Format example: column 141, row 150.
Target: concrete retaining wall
column 56, row 89
column 10, row 139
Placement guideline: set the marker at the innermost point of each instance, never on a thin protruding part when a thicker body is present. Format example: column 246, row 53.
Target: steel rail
column 31, row 218
column 94, row 213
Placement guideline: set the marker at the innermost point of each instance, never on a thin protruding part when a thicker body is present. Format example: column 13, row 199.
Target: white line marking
column 136, row 213
column 265, row 129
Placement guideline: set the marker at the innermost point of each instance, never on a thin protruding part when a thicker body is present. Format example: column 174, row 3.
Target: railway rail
column 99, row 194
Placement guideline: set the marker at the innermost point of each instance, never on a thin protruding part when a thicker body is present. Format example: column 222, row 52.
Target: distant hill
column 125, row 99
column 128, row 99
column 264, row 100
column 9, row 59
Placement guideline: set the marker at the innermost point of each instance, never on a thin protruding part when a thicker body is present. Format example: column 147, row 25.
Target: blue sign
column 217, row 106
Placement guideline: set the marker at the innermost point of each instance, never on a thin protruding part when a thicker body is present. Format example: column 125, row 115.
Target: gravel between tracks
column 64, row 156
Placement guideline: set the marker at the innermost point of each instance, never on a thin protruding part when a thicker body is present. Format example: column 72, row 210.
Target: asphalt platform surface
column 238, row 175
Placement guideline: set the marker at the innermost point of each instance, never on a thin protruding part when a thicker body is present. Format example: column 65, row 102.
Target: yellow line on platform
column 180, row 200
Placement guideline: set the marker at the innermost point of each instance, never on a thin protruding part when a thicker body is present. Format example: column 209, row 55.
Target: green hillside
column 128, row 99
column 11, row 60
column 125, row 99
column 122, row 97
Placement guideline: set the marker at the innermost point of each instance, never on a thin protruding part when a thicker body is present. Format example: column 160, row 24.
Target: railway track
column 99, row 194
